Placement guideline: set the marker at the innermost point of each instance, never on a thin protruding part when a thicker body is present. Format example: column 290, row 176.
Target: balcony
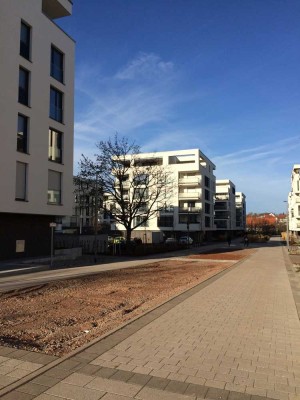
column 297, row 199
column 189, row 210
column 167, row 210
column 57, row 8
column 190, row 181
column 189, row 196
column 125, row 184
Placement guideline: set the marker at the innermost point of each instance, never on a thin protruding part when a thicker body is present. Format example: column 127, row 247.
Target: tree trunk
column 128, row 235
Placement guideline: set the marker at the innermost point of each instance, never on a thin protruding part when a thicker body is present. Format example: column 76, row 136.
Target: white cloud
column 145, row 66
column 139, row 95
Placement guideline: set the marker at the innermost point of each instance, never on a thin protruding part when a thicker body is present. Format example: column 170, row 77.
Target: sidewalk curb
column 23, row 271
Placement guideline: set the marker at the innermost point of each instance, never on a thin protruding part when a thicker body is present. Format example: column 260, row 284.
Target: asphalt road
column 9, row 283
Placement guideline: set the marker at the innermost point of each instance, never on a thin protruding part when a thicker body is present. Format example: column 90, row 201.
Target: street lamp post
column 52, row 226
column 188, row 226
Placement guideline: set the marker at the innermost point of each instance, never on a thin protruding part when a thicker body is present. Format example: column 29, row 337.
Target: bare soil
column 58, row 317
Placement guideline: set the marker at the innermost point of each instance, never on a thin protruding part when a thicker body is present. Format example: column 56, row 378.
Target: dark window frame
column 25, row 45
column 22, row 140
column 56, row 110
column 59, row 159
column 57, row 65
column 25, row 182
column 52, row 190
column 23, row 93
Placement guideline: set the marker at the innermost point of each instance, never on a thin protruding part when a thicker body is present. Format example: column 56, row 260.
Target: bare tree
column 134, row 189
column 88, row 196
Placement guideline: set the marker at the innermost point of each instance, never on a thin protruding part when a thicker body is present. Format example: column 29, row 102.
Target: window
column 207, row 181
column 207, row 197
column 207, row 208
column 22, row 134
column 56, row 105
column 57, row 64
column 165, row 221
column 140, row 221
column 55, row 146
column 24, row 86
column 140, row 194
column 21, row 181
column 54, row 187
column 188, row 219
column 140, row 180
column 25, row 35
column 207, row 222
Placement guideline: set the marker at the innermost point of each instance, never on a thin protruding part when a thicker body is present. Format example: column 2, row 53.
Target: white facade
column 294, row 202
column 225, row 205
column 240, row 203
column 37, row 103
column 190, row 209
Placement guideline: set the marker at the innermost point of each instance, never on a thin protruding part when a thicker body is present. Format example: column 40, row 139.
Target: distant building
column 240, row 207
column 36, row 124
column 294, row 203
column 225, row 205
column 191, row 208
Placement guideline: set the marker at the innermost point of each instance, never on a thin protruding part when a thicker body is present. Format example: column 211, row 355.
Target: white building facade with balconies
column 241, row 213
column 190, row 211
column 225, row 205
column 36, row 124
column 294, row 203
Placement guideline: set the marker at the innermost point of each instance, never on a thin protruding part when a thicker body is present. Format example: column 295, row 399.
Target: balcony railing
column 189, row 181
column 166, row 211
column 189, row 195
column 222, row 197
column 187, row 210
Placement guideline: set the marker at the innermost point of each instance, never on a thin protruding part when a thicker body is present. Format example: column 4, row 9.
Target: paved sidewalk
column 236, row 336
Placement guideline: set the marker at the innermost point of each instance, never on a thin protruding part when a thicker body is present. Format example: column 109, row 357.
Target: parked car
column 185, row 240
column 171, row 240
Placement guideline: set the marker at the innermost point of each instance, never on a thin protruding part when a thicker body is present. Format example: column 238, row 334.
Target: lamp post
column 188, row 225
column 287, row 225
column 52, row 226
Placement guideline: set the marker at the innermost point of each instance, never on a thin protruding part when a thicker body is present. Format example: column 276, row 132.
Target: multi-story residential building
column 294, row 203
column 190, row 209
column 36, row 124
column 240, row 211
column 225, row 205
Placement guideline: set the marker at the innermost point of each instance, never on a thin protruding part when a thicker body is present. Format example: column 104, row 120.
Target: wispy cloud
column 138, row 94
column 261, row 172
column 269, row 152
column 146, row 66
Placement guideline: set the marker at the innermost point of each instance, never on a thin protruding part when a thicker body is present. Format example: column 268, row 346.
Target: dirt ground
column 58, row 317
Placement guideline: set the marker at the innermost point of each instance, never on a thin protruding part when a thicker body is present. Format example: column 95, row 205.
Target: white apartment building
column 36, row 123
column 294, row 203
column 240, row 204
column 225, row 205
column 190, row 210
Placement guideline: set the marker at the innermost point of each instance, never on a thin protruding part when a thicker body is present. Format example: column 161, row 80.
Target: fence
column 86, row 242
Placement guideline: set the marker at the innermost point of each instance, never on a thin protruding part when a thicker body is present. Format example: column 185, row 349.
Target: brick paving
column 234, row 337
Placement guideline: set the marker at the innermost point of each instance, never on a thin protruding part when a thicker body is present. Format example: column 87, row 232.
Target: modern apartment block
column 191, row 207
column 294, row 203
column 240, row 204
column 36, row 124
column 225, row 206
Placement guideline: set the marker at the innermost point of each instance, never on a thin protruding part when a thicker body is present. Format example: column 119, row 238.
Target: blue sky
column 219, row 75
